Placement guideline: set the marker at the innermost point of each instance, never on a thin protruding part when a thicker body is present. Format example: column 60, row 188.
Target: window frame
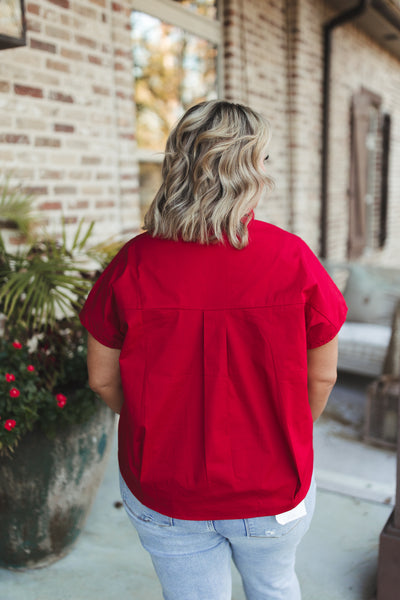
column 181, row 16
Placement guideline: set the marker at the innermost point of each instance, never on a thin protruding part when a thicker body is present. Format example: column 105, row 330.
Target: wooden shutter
column 358, row 174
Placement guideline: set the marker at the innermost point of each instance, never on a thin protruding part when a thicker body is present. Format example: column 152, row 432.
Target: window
column 12, row 24
column 370, row 133
column 175, row 46
column 207, row 8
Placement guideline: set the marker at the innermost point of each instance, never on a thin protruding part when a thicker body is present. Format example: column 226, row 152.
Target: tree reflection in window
column 173, row 70
column 207, row 8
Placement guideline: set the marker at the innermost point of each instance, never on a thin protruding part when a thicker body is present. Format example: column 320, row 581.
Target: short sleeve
column 101, row 314
column 325, row 307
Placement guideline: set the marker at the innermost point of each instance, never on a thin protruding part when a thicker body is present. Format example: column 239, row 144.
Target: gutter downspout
column 329, row 27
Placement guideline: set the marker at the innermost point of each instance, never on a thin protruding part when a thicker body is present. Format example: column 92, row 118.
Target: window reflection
column 11, row 18
column 207, row 8
column 173, row 70
column 149, row 182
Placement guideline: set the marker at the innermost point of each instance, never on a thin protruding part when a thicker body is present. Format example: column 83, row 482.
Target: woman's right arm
column 322, row 374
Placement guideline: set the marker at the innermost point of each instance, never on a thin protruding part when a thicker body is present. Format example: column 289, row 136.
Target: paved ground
column 337, row 559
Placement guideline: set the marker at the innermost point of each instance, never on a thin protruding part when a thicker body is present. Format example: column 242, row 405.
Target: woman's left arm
column 104, row 373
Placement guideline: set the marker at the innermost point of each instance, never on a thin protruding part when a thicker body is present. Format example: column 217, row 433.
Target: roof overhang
column 380, row 20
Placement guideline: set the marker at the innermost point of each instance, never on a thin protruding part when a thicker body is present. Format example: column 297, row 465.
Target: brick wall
column 358, row 62
column 255, row 74
column 67, row 111
column 307, row 121
column 67, row 114
column 274, row 62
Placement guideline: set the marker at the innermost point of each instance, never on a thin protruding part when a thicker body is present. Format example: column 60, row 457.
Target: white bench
column 372, row 294
column 363, row 347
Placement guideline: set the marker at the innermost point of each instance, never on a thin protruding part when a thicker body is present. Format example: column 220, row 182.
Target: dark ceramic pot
column 47, row 489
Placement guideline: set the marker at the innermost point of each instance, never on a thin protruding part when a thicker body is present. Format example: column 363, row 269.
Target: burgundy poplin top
column 216, row 422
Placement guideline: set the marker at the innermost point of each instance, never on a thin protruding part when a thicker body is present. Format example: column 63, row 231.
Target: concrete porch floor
column 337, row 559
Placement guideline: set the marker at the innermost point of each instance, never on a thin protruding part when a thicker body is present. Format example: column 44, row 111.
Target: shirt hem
column 216, row 514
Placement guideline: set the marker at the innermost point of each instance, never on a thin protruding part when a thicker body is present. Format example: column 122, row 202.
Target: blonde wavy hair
column 213, row 175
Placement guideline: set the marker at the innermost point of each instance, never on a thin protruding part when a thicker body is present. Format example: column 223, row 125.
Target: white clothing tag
column 290, row 515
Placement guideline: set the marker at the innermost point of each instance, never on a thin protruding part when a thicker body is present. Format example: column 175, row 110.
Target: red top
column 216, row 422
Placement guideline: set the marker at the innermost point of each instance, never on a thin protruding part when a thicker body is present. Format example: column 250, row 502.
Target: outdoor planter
column 47, row 488
column 55, row 433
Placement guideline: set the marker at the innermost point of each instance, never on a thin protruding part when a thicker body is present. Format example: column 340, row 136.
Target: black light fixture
column 12, row 24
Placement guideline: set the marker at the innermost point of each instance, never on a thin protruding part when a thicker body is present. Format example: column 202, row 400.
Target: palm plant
column 43, row 280
column 43, row 283
column 16, row 208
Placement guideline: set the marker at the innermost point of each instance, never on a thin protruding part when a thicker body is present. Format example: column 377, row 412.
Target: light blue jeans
column 192, row 559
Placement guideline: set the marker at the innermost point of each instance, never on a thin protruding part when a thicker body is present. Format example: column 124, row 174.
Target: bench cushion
column 372, row 294
column 363, row 347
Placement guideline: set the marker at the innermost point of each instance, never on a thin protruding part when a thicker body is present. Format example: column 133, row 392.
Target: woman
column 214, row 336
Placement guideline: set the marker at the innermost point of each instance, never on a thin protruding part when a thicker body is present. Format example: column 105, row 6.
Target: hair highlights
column 212, row 175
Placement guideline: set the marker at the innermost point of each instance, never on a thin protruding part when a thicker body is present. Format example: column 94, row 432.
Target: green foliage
column 43, row 285
column 16, row 207
column 27, row 398
column 44, row 280
column 105, row 251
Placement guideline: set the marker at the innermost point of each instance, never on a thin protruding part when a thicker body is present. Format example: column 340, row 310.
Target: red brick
column 33, row 8
column 117, row 7
column 38, row 45
column 50, row 206
column 79, row 205
column 64, row 128
column 58, row 33
column 25, row 90
column 91, row 160
column 47, row 142
column 4, row 86
column 57, row 65
column 74, row 54
column 103, row 91
column 95, row 59
column 16, row 241
column 70, row 220
column 61, row 3
column 33, row 26
column 85, row 11
column 80, row 175
column 65, row 19
column 105, row 204
column 10, row 138
column 36, row 190
column 65, row 189
column 51, row 174
column 101, row 3
column 59, row 97
column 123, row 53
column 84, row 41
